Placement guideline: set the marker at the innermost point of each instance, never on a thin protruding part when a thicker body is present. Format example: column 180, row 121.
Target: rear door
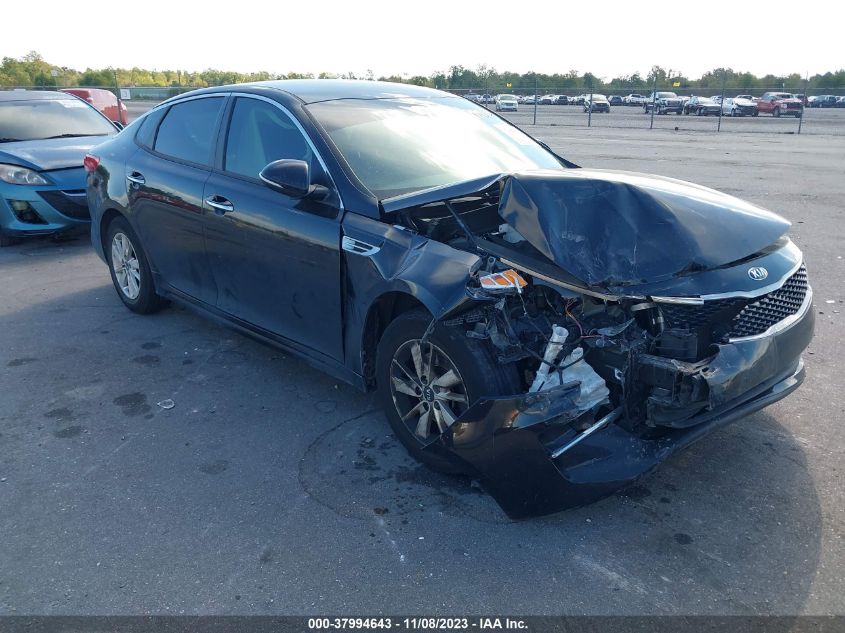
column 166, row 183
column 275, row 258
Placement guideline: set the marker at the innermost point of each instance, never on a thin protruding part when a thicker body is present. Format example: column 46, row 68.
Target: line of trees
column 33, row 70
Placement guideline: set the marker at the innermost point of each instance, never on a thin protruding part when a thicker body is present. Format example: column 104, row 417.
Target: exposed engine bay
column 629, row 352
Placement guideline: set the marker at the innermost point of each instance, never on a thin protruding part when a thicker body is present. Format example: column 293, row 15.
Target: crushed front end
column 637, row 355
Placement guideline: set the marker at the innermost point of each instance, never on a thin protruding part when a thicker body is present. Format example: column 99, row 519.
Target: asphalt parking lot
column 269, row 488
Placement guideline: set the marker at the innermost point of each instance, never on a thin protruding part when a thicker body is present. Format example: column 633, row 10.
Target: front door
column 275, row 258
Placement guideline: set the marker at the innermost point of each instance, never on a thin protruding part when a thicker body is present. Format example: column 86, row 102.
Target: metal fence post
column 119, row 100
column 653, row 101
column 590, row 107
column 535, row 99
column 724, row 78
column 801, row 118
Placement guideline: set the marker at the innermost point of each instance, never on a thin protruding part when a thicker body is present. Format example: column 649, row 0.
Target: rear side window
column 146, row 133
column 260, row 133
column 188, row 129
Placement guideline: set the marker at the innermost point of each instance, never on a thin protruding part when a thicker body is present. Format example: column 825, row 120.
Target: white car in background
column 633, row 99
column 738, row 106
column 507, row 103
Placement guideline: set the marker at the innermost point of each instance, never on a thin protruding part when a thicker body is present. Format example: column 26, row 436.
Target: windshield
column 50, row 118
column 597, row 97
column 405, row 145
column 507, row 98
column 666, row 95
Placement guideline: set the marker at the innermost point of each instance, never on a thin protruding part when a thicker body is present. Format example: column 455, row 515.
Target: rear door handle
column 220, row 204
column 136, row 177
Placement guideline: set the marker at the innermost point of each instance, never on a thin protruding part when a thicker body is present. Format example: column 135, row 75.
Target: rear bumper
column 509, row 442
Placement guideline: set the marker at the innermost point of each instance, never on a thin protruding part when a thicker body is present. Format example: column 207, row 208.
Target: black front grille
column 692, row 317
column 761, row 314
column 73, row 203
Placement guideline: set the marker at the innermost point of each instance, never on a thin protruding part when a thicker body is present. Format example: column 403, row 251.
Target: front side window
column 260, row 133
column 397, row 146
column 38, row 119
column 188, row 129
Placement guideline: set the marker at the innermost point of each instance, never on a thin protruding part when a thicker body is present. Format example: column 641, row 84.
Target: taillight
column 90, row 162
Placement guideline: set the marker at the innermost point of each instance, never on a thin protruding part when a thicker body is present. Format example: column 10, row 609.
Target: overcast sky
column 607, row 37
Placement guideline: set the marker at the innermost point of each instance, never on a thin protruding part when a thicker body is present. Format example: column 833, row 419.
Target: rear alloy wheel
column 130, row 271
column 425, row 385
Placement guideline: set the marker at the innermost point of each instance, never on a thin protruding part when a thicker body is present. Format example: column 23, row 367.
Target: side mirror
column 291, row 177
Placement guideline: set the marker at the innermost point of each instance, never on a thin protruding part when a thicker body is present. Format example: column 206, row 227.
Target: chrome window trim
column 782, row 325
column 302, row 131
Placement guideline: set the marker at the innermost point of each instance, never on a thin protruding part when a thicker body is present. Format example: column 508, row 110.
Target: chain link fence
column 669, row 106
column 820, row 111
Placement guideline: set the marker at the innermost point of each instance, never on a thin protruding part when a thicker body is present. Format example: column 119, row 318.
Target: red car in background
column 104, row 101
column 780, row 103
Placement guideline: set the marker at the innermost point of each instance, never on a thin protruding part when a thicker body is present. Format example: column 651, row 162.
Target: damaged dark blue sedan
column 554, row 331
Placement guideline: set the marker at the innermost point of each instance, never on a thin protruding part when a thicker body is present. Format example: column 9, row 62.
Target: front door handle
column 136, row 178
column 219, row 204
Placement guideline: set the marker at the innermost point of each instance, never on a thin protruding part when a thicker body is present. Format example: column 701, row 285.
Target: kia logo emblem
column 758, row 273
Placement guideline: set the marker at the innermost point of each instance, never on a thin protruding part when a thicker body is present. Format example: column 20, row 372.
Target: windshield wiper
column 67, row 136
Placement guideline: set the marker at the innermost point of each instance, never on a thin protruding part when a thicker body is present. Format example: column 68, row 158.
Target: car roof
column 314, row 90
column 31, row 95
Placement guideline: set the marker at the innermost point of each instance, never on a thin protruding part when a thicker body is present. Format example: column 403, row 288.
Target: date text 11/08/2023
column 418, row 623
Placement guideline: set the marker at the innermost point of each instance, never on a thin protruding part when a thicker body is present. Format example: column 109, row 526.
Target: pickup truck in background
column 780, row 103
column 663, row 103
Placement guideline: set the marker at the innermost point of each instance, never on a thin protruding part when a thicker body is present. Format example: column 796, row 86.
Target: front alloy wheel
column 426, row 383
column 427, row 390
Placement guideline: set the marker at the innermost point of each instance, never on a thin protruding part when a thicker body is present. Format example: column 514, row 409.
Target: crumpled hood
column 613, row 228
column 49, row 154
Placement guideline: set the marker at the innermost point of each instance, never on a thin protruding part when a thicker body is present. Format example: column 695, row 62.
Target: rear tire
column 450, row 373
column 130, row 269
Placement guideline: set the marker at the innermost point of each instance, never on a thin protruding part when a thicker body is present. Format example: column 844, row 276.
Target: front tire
column 130, row 269
column 425, row 386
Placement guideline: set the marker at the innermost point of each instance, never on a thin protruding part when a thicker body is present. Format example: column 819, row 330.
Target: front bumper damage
column 524, row 452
